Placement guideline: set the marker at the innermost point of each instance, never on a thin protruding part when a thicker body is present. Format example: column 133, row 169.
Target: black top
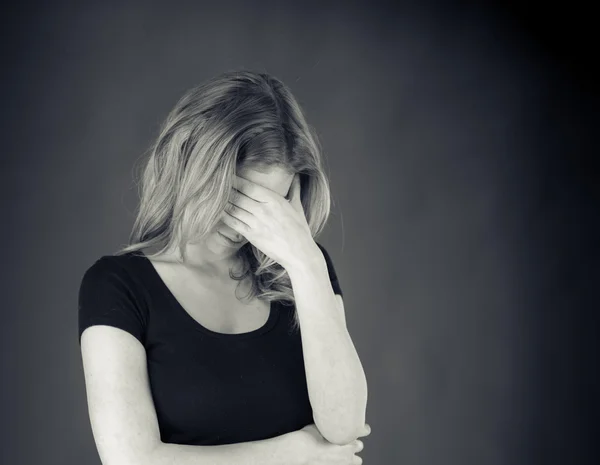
column 208, row 387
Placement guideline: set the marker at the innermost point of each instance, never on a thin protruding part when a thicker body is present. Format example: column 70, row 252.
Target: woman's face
column 273, row 178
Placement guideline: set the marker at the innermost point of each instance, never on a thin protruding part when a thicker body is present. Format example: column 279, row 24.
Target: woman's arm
column 280, row 450
column 337, row 385
column 300, row 447
column 124, row 421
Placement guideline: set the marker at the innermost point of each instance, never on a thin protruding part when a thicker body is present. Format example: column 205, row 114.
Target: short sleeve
column 335, row 284
column 107, row 297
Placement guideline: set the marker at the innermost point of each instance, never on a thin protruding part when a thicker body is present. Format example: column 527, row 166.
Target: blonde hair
column 237, row 119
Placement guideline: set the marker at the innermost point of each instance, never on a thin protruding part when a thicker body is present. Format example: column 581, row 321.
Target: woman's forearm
column 279, row 450
column 337, row 385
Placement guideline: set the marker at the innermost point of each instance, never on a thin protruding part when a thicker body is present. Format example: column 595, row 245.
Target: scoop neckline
column 272, row 319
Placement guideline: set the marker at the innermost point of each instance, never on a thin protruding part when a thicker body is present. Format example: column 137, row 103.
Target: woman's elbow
column 339, row 436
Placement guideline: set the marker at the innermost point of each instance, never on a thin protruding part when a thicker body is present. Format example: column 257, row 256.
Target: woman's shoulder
column 126, row 265
column 110, row 293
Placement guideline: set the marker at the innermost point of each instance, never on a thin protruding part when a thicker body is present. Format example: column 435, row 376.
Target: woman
column 232, row 195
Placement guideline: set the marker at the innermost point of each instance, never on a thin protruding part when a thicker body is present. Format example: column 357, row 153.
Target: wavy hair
column 237, row 119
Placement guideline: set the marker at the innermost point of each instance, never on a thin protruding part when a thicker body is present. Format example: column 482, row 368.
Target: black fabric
column 208, row 388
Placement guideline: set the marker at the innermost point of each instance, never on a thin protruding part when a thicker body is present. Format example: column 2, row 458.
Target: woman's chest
column 219, row 306
column 209, row 391
column 222, row 312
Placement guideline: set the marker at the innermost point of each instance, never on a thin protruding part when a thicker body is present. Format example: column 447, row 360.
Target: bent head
column 240, row 122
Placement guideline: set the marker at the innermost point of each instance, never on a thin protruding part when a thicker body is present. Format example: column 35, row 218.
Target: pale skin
column 121, row 411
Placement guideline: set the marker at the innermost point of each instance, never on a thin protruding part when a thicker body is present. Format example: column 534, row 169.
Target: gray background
column 463, row 224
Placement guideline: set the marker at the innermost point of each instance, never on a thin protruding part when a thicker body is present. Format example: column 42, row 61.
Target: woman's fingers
column 366, row 430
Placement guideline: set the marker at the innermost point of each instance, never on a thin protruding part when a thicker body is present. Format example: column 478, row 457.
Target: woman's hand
column 272, row 224
column 316, row 450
